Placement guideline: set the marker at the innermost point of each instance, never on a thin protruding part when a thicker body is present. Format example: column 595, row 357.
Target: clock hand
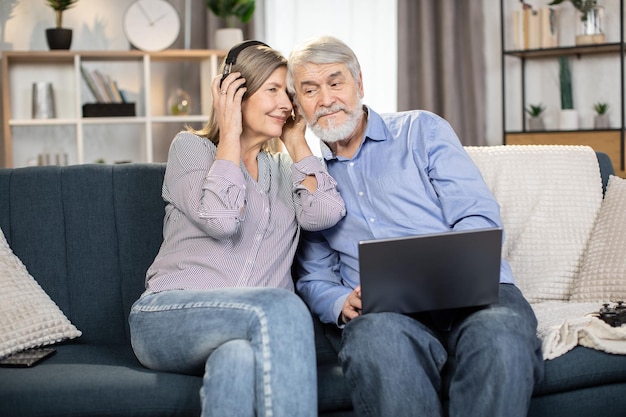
column 159, row 18
column 145, row 13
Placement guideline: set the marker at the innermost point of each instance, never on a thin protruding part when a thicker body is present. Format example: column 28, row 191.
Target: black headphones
column 231, row 58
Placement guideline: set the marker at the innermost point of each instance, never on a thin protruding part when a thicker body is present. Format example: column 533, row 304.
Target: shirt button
column 351, row 164
column 361, row 193
column 372, row 220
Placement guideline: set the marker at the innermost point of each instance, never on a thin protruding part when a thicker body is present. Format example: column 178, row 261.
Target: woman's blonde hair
column 255, row 63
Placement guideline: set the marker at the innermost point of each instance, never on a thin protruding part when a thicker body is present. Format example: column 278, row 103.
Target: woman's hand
column 227, row 108
column 293, row 137
column 295, row 143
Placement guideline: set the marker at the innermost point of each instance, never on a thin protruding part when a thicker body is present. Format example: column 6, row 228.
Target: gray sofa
column 87, row 233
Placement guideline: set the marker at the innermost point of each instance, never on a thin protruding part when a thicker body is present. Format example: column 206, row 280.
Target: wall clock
column 151, row 25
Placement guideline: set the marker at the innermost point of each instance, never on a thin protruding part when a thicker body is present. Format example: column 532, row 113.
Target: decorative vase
column 59, row 38
column 536, row 123
column 601, row 121
column 568, row 119
column 226, row 38
column 590, row 27
column 179, row 103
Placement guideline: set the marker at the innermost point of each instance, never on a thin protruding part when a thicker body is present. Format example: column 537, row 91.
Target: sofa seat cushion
column 582, row 368
column 88, row 380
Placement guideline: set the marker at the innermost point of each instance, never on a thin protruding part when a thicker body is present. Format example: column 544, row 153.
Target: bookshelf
column 592, row 57
column 146, row 78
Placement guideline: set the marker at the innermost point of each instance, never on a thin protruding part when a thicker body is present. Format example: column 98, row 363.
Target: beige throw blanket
column 563, row 325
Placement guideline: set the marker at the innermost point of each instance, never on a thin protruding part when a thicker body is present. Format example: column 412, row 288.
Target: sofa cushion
column 89, row 256
column 550, row 196
column 89, row 380
column 581, row 367
column 603, row 272
column 29, row 317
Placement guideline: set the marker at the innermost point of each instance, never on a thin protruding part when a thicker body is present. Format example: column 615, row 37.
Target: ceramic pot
column 59, row 38
column 536, row 124
column 568, row 119
column 226, row 38
column 601, row 121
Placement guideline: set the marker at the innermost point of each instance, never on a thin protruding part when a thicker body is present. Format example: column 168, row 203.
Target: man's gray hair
column 321, row 50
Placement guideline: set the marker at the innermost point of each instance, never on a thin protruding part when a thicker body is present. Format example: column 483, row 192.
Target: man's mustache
column 332, row 109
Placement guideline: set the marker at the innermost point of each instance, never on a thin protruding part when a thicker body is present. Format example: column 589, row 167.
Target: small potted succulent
column 535, row 116
column 601, row 119
column 230, row 11
column 59, row 37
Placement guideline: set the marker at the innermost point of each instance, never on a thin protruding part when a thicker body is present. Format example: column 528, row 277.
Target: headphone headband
column 231, row 58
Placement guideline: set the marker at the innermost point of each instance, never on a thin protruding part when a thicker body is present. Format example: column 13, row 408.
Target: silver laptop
column 432, row 272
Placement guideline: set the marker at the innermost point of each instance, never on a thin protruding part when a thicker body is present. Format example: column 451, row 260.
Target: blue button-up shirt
column 409, row 176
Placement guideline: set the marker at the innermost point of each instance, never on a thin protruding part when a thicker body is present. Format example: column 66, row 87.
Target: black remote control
column 615, row 315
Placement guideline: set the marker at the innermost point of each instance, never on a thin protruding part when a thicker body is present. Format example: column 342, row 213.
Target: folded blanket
column 564, row 325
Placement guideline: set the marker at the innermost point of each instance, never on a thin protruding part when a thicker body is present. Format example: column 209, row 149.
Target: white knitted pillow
column 28, row 317
column 603, row 272
column 549, row 197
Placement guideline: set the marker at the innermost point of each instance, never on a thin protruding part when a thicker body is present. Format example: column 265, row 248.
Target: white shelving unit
column 147, row 79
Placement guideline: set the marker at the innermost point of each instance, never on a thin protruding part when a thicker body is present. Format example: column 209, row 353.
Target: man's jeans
column 486, row 365
column 254, row 346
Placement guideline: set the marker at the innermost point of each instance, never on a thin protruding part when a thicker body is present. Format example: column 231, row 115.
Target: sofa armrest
column 606, row 168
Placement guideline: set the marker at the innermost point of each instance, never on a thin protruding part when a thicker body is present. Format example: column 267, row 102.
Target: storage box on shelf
column 146, row 77
column 517, row 62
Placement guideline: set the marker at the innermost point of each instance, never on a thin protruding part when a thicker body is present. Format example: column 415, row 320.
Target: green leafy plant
column 535, row 110
column 230, row 10
column 601, row 108
column 583, row 6
column 59, row 6
column 565, row 79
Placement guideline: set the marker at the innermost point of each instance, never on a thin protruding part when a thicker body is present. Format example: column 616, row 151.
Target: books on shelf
column 103, row 88
column 548, row 28
column 534, row 29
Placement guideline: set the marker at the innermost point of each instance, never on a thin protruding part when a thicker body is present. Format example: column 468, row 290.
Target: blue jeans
column 485, row 365
column 254, row 347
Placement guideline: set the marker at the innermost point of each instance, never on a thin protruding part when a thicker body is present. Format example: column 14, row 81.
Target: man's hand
column 352, row 306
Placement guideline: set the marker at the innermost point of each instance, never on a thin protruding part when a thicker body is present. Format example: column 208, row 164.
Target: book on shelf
column 548, row 27
column 534, row 29
column 103, row 88
column 91, row 84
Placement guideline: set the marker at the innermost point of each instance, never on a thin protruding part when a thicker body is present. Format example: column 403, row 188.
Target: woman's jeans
column 486, row 364
column 254, row 346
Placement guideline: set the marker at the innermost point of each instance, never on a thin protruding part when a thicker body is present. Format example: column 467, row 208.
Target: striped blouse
column 224, row 229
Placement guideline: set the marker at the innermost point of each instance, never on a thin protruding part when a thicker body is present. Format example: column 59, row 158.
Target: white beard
column 334, row 133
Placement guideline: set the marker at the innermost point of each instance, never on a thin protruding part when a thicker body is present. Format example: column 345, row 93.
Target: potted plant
column 535, row 116
column 230, row 11
column 59, row 37
column 590, row 28
column 568, row 117
column 601, row 119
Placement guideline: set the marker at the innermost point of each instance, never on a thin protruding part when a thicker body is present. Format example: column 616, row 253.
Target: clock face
column 151, row 25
